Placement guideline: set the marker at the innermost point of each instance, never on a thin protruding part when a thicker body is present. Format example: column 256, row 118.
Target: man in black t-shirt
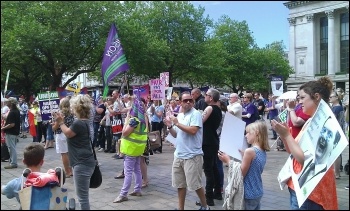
column 11, row 129
column 259, row 103
column 200, row 103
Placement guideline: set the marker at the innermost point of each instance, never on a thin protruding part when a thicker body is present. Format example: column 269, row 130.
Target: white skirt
column 61, row 143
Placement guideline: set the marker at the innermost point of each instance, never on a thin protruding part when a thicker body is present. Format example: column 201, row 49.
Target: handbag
column 5, row 154
column 96, row 177
column 154, row 139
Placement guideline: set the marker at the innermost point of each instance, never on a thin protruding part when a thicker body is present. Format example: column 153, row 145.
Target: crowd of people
column 119, row 124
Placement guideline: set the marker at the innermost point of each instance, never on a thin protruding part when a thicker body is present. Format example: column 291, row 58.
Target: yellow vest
column 135, row 143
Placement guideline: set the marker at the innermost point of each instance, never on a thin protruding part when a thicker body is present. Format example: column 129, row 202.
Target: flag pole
column 6, row 82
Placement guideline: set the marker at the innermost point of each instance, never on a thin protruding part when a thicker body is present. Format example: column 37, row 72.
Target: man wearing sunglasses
column 187, row 128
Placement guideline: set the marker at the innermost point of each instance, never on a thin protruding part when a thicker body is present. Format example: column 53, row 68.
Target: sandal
column 120, row 176
column 144, row 185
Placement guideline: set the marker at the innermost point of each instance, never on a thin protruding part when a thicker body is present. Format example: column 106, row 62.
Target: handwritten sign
column 165, row 78
column 157, row 89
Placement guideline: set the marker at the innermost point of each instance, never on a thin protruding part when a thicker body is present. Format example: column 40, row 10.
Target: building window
column 344, row 42
column 324, row 45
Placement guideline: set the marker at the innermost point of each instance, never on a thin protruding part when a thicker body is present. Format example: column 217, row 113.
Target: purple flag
column 114, row 60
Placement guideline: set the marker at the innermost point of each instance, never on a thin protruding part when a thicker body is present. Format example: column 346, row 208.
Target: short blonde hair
column 260, row 128
column 81, row 106
column 65, row 106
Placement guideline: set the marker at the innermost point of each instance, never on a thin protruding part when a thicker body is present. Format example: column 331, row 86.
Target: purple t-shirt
column 248, row 108
column 272, row 113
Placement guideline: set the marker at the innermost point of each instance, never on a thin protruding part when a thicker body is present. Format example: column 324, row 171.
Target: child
column 253, row 163
column 33, row 158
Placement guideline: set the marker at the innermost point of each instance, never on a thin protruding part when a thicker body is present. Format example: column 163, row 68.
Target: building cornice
column 294, row 4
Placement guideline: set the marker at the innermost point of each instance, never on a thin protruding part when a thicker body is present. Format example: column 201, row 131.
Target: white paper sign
column 277, row 88
column 169, row 93
column 322, row 142
column 171, row 139
column 232, row 136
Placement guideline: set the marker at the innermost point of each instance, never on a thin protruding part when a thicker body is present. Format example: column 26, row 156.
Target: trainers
column 10, row 167
column 120, row 199
column 347, row 187
column 204, row 208
column 101, row 150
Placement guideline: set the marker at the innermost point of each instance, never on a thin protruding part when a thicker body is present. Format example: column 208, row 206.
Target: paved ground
column 160, row 195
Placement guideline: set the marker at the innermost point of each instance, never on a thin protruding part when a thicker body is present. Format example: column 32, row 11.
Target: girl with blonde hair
column 253, row 163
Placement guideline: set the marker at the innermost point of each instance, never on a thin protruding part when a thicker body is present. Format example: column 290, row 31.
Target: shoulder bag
column 96, row 177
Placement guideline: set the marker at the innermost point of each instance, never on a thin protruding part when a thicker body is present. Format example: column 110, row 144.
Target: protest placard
column 232, row 136
column 157, row 89
column 322, row 140
column 48, row 104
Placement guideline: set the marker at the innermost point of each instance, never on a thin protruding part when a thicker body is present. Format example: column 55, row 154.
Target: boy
column 33, row 158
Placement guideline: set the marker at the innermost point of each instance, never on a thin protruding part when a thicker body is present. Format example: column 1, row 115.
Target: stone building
column 318, row 42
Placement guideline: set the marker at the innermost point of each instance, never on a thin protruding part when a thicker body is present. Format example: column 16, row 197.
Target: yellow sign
column 74, row 87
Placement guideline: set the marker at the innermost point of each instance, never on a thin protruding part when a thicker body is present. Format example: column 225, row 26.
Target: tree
column 55, row 37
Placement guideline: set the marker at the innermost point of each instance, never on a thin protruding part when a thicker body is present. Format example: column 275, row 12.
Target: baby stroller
column 44, row 191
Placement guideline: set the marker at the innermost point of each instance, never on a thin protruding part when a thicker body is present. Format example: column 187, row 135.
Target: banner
column 322, row 141
column 114, row 60
column 142, row 91
column 165, row 78
column 277, row 85
column 157, row 89
column 48, row 104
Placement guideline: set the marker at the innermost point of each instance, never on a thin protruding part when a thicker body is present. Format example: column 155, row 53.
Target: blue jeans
column 221, row 172
column 131, row 165
column 252, row 204
column 307, row 205
column 82, row 174
column 11, row 141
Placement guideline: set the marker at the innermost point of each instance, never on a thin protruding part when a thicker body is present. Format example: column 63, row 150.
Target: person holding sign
column 253, row 163
column 324, row 195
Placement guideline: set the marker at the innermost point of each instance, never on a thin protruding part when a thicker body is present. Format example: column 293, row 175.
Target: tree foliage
column 41, row 41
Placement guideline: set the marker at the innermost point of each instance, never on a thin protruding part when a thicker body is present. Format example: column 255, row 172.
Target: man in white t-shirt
column 235, row 106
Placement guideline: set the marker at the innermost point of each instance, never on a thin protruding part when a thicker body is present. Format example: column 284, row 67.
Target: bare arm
column 296, row 121
column 206, row 113
column 248, row 156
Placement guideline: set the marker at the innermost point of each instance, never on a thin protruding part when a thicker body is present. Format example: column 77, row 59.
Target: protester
column 259, row 103
column 253, row 163
column 338, row 112
column 106, row 121
column 188, row 155
column 24, row 120
column 60, row 137
column 157, row 122
column 324, row 195
column 223, row 107
column 273, row 112
column 38, row 121
column 235, row 107
column 33, row 158
column 11, row 129
column 200, row 103
column 99, row 137
column 80, row 153
column 133, row 143
column 211, row 121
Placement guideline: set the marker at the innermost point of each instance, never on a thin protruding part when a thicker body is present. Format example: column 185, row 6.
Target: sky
column 267, row 20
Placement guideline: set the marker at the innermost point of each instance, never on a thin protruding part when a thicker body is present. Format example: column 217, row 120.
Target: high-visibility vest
column 135, row 143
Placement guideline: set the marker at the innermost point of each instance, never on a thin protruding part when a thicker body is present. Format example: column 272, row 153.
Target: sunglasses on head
column 187, row 100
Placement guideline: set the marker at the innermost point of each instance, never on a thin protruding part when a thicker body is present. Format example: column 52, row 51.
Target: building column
column 331, row 33
column 311, row 48
column 291, row 55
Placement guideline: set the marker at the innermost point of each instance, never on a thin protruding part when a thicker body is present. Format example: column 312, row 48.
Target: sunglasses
column 187, row 101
